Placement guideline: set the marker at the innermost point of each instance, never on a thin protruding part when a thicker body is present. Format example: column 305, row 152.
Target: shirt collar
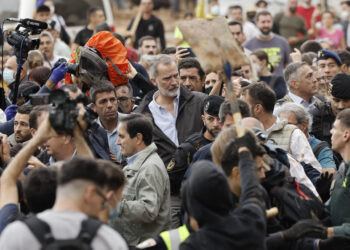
column 130, row 160
column 156, row 94
column 98, row 121
column 299, row 100
column 52, row 160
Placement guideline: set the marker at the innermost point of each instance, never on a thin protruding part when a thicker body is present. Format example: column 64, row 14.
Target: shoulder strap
column 40, row 229
column 89, row 228
column 317, row 149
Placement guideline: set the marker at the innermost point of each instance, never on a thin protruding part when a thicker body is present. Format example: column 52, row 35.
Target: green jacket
column 145, row 209
column 338, row 204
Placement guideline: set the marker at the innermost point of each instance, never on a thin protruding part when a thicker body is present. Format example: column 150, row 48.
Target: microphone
column 30, row 23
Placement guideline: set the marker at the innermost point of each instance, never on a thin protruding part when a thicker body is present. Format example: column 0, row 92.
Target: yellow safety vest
column 173, row 238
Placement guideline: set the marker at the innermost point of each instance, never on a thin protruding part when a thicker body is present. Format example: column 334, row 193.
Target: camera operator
column 95, row 135
column 63, row 147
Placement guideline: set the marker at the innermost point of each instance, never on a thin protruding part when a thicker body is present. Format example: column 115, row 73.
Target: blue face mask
column 114, row 213
column 263, row 35
column 8, row 75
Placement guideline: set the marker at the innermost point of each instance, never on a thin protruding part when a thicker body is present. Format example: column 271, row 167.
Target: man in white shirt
column 302, row 85
column 261, row 100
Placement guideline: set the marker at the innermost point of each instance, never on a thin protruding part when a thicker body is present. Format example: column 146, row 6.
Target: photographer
column 9, row 198
column 56, row 75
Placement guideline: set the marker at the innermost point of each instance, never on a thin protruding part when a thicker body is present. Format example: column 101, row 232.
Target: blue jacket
column 325, row 157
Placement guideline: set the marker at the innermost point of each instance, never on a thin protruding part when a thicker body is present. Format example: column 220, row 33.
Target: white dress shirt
column 164, row 119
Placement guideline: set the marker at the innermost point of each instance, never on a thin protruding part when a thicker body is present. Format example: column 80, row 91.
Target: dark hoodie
column 209, row 201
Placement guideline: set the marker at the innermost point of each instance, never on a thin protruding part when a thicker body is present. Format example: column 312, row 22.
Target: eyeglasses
column 105, row 200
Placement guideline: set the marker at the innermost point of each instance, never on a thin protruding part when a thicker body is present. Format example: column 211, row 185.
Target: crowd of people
column 119, row 142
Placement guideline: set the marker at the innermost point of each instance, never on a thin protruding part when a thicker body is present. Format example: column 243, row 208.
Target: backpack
column 42, row 232
column 181, row 160
column 295, row 202
column 113, row 52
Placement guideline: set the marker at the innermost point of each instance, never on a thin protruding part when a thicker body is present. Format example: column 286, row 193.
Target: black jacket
column 97, row 139
column 322, row 121
column 188, row 121
column 209, row 201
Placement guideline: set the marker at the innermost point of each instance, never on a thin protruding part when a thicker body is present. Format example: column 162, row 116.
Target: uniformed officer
column 339, row 202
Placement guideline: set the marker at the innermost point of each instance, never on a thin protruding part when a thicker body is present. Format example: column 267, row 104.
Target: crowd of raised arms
column 131, row 141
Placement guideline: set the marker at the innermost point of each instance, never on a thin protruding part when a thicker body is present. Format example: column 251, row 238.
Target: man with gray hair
column 47, row 44
column 297, row 115
column 175, row 110
column 302, row 85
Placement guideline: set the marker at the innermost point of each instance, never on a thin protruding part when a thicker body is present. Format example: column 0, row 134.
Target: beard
column 168, row 93
column 266, row 31
column 293, row 10
column 214, row 131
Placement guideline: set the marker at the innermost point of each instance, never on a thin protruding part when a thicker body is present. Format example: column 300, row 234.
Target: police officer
column 184, row 153
column 339, row 202
column 324, row 114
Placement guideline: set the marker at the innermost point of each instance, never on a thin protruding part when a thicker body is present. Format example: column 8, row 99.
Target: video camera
column 20, row 39
column 64, row 112
column 22, row 43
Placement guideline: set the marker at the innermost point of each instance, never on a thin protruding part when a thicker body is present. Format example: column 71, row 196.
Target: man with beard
column 176, row 113
column 185, row 152
column 262, row 100
column 21, row 126
column 147, row 46
column 289, row 25
column 325, row 113
column 274, row 45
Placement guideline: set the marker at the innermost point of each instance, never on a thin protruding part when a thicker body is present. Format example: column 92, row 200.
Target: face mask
column 257, row 67
column 114, row 213
column 215, row 10
column 208, row 90
column 344, row 15
column 52, row 9
column 8, row 75
column 263, row 35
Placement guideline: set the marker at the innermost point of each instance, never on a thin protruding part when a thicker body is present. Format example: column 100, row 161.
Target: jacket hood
column 208, row 193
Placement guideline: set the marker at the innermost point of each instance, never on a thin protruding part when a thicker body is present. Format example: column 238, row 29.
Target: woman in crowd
column 336, row 36
column 264, row 68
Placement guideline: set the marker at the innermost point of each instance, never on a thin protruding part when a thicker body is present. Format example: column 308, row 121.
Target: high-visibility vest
column 173, row 238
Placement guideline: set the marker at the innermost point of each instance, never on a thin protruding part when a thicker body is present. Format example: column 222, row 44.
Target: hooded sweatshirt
column 209, row 201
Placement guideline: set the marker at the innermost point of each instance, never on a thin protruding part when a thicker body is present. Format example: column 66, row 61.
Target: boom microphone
column 30, row 23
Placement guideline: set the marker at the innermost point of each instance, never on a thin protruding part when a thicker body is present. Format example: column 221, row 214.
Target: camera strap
column 114, row 66
column 2, row 90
